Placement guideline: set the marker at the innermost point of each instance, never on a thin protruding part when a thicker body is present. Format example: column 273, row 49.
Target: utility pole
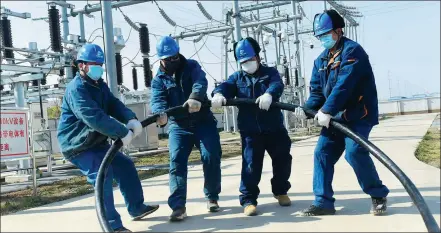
column 106, row 7
column 65, row 21
column 297, row 57
column 236, row 16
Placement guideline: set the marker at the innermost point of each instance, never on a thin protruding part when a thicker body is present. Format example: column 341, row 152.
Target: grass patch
column 428, row 150
column 78, row 186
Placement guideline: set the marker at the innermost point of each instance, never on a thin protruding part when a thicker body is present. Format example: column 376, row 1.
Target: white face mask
column 250, row 67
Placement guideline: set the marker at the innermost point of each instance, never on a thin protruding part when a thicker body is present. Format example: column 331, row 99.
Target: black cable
column 417, row 198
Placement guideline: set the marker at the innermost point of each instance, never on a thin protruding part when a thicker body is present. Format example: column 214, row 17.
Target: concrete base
column 24, row 178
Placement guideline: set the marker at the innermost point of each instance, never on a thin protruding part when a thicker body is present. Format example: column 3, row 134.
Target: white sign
column 14, row 134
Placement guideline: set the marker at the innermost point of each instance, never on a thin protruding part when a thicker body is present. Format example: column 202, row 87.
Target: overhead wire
column 197, row 53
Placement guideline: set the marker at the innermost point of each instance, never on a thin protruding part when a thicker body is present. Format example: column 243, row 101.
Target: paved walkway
column 398, row 137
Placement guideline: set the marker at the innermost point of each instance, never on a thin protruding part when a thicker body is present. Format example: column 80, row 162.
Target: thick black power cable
column 415, row 195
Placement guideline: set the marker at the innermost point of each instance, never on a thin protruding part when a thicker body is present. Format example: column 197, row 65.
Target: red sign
column 14, row 137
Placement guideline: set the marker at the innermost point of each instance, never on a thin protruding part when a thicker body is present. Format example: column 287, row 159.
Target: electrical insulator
column 168, row 19
column 287, row 78
column 144, row 40
column 204, row 12
column 7, row 37
column 119, row 74
column 61, row 72
column 296, row 73
column 34, row 83
column 43, row 81
column 135, row 79
column 147, row 72
column 54, row 29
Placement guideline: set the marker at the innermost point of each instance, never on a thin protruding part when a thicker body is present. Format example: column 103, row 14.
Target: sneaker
column 250, row 210
column 212, row 206
column 378, row 205
column 178, row 215
column 283, row 200
column 148, row 210
column 122, row 229
column 315, row 211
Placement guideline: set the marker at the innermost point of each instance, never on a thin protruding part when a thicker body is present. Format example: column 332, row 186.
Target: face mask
column 250, row 67
column 327, row 41
column 95, row 72
column 171, row 66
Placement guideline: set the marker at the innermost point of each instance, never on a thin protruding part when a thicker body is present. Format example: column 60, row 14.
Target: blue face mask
column 95, row 72
column 327, row 41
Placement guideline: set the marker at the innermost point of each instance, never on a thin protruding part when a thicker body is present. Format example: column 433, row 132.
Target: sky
column 402, row 38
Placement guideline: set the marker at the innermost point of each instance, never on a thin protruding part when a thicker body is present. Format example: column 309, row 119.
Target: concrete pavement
column 397, row 137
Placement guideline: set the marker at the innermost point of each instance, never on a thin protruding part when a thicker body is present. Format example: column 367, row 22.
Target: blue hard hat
column 244, row 51
column 167, row 47
column 322, row 24
column 91, row 53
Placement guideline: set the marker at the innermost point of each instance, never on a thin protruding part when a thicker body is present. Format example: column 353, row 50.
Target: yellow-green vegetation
column 428, row 150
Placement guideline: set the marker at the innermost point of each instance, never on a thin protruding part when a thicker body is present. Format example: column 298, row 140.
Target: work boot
column 212, row 206
column 378, row 205
column 148, row 210
column 122, row 229
column 178, row 215
column 283, row 200
column 250, row 210
column 315, row 211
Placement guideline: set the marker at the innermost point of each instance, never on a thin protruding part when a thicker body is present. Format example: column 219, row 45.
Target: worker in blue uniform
column 181, row 82
column 261, row 128
column 90, row 114
column 342, row 88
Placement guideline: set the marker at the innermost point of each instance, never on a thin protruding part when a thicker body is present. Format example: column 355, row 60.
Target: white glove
column 218, row 100
column 300, row 114
column 136, row 126
column 264, row 101
column 323, row 119
column 128, row 138
column 193, row 105
column 162, row 119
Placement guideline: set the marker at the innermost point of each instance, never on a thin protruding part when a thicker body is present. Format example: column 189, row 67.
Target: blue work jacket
column 243, row 85
column 189, row 82
column 343, row 85
column 90, row 114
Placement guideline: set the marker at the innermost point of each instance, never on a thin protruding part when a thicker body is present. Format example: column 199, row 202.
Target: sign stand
column 34, row 161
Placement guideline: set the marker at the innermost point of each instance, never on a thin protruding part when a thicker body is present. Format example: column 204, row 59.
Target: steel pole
column 65, row 21
column 82, row 30
column 109, row 47
column 297, row 53
column 261, row 36
column 236, row 15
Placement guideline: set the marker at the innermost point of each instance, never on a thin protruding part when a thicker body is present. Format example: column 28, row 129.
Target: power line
column 197, row 53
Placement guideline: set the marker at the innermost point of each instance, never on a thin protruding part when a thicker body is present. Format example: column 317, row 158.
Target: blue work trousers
column 330, row 147
column 181, row 142
column 123, row 171
column 278, row 146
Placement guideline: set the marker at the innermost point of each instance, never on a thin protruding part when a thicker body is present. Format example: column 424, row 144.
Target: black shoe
column 178, row 215
column 315, row 211
column 148, row 210
column 378, row 205
column 122, row 229
column 212, row 206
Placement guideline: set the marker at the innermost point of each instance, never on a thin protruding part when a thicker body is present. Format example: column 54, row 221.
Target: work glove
column 218, row 100
column 135, row 126
column 264, row 101
column 162, row 119
column 128, row 138
column 323, row 118
column 300, row 114
column 193, row 105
